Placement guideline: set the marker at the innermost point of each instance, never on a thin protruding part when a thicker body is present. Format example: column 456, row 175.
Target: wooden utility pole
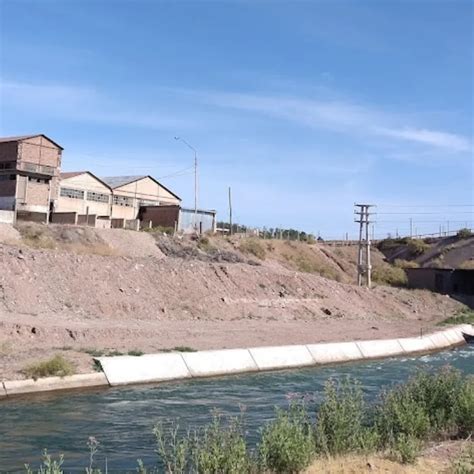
column 364, row 267
column 230, row 211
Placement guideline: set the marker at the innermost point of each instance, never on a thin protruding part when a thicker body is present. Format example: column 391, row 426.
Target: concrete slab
column 439, row 340
column 334, row 352
column 17, row 387
column 3, row 392
column 411, row 345
column 123, row 370
column 380, row 348
column 454, row 336
column 281, row 357
column 206, row 363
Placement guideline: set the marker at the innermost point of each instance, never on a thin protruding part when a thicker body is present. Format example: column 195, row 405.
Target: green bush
column 340, row 423
column 221, row 449
column 57, row 365
column 174, row 451
column 48, row 465
column 427, row 405
column 287, row 443
column 464, row 233
column 389, row 275
column 253, row 247
column 417, row 246
column 399, row 263
column 465, row 463
column 405, row 448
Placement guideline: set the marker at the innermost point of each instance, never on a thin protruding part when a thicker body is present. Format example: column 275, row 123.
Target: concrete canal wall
column 126, row 370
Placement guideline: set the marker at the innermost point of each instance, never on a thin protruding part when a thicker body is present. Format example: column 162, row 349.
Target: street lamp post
column 195, row 178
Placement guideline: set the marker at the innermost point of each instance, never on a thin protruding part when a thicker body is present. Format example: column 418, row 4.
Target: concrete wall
column 64, row 218
column 7, row 217
column 158, row 367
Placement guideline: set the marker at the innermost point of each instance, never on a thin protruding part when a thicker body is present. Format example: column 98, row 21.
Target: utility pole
column 411, row 227
column 364, row 267
column 195, row 179
column 230, row 211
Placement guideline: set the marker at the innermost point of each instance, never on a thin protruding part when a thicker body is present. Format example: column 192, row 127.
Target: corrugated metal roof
column 117, row 181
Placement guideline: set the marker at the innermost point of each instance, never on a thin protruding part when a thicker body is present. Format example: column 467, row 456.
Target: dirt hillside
column 168, row 292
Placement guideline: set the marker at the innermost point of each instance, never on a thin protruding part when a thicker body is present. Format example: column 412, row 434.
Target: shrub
column 417, row 246
column 221, row 449
column 48, row 465
column 465, row 316
column 464, row 233
column 464, row 412
column 340, row 424
column 405, row 448
column 389, row 275
column 173, row 451
column 399, row 263
column 465, row 463
column 57, row 365
column 253, row 247
column 287, row 443
column 467, row 265
column 135, row 353
column 428, row 404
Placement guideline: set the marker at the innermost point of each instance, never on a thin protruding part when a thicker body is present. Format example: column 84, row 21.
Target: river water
column 122, row 419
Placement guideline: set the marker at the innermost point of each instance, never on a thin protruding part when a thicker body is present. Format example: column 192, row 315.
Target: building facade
column 129, row 193
column 84, row 193
column 29, row 174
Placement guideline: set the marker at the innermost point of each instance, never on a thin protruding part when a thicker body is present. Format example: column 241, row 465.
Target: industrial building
column 29, row 175
column 32, row 187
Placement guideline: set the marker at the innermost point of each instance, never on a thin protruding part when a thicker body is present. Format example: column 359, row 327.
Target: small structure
column 29, row 175
column 458, row 283
column 181, row 219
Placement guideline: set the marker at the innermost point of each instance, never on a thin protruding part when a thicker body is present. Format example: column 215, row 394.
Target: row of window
column 7, row 177
column 9, row 165
column 97, row 197
column 94, row 196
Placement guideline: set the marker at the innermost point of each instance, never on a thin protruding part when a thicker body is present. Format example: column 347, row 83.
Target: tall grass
column 429, row 406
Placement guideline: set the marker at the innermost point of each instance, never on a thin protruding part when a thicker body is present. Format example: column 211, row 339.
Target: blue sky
column 302, row 107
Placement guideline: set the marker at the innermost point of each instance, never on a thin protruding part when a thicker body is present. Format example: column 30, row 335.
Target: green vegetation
column 464, row 233
column 306, row 265
column 465, row 316
column 429, row 407
column 179, row 349
column 135, row 353
column 389, row 275
column 254, row 247
column 465, row 463
column 400, row 263
column 159, row 230
column 417, row 247
column 57, row 365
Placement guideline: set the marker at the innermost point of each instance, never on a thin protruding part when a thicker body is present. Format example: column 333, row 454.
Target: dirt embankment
column 62, row 299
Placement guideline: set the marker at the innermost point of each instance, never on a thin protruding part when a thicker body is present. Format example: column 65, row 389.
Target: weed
column 174, row 452
column 48, row 465
column 464, row 233
column 94, row 352
column 287, row 443
column 465, row 316
column 465, row 463
column 389, row 275
column 57, row 365
column 405, row 448
column 340, row 424
column 183, row 349
column 417, row 247
column 135, row 353
column 253, row 247
column 220, row 448
column 399, row 263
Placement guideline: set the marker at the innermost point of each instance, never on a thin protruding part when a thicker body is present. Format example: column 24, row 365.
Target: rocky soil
column 60, row 300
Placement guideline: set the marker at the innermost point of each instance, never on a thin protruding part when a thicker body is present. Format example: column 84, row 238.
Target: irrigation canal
column 121, row 419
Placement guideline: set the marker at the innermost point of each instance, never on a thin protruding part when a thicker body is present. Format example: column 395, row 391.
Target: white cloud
column 429, row 137
column 346, row 117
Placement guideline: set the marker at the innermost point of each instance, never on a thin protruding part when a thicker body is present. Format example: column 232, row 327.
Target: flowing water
column 121, row 419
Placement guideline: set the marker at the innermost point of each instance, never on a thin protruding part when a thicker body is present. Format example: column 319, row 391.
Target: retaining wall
column 7, row 217
column 124, row 370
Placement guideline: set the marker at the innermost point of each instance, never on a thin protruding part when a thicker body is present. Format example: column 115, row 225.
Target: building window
column 7, row 177
column 72, row 193
column 123, row 201
column 37, row 180
column 148, row 202
column 9, row 165
column 98, row 197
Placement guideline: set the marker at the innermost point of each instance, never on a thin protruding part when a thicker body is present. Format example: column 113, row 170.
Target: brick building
column 29, row 174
